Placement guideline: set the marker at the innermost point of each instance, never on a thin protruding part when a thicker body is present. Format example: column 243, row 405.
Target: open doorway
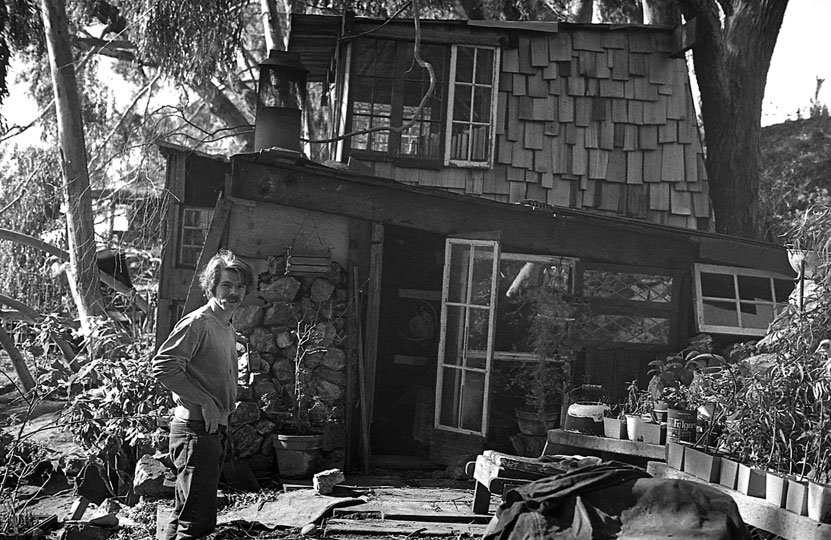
column 408, row 342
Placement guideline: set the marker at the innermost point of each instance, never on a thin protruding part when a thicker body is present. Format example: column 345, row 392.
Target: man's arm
column 170, row 368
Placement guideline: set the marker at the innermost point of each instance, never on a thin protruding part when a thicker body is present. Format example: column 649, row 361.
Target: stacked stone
column 267, row 364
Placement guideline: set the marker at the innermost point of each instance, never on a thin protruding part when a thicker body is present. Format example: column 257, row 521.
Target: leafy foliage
column 114, row 405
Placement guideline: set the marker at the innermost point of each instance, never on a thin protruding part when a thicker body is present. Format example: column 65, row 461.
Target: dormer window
column 387, row 85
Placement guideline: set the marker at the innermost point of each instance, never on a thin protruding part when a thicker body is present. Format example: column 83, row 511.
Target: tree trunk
column 221, row 106
column 583, row 11
column 26, row 379
column 731, row 64
column 664, row 12
column 83, row 278
column 273, row 20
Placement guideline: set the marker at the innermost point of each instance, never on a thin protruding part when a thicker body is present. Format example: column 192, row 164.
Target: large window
column 388, row 89
column 742, row 301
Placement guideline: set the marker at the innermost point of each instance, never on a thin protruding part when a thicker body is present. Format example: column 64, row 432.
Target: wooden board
column 404, row 528
column 559, row 437
column 757, row 512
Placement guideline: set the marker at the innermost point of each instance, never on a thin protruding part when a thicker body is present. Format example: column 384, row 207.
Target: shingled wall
column 590, row 117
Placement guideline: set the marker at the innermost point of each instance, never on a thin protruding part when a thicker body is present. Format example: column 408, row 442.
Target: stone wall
column 313, row 307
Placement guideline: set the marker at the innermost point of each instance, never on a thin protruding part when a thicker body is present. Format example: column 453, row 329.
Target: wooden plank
column 392, row 528
column 524, row 50
column 672, row 163
column 659, row 197
column 373, row 310
column 757, row 512
column 510, row 60
column 652, row 166
column 598, row 160
column 634, row 167
column 616, row 167
column 680, row 202
column 683, row 38
column 539, row 50
column 216, row 232
column 648, row 137
column 559, row 47
column 603, row 444
column 363, row 397
column 519, row 84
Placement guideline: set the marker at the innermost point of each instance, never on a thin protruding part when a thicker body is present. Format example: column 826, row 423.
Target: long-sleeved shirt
column 198, row 363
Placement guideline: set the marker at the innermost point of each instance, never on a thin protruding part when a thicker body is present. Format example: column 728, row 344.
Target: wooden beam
column 373, row 311
column 683, row 38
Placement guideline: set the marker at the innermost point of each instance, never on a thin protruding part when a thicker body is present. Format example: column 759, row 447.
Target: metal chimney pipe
column 280, row 97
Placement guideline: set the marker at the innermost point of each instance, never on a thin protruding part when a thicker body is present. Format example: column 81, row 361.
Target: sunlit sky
column 803, row 53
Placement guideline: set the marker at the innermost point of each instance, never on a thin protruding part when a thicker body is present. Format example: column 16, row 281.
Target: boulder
column 324, row 482
column 263, row 341
column 247, row 317
column 245, row 413
column 282, row 289
column 283, row 370
column 280, row 313
column 334, row 358
column 148, row 479
column 247, row 441
column 321, row 290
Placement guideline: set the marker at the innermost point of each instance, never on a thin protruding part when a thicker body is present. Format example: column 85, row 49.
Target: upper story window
column 741, row 301
column 454, row 124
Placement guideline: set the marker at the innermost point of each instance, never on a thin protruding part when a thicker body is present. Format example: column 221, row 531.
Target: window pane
column 754, row 288
column 482, row 275
column 461, row 103
column 783, row 289
column 477, row 339
column 720, row 313
column 455, row 334
column 484, row 66
column 451, row 390
column 459, row 264
column 459, row 141
column 481, row 104
column 473, row 401
column 718, row 285
column 756, row 315
column 464, row 64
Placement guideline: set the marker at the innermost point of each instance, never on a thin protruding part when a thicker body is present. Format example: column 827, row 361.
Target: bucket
column 681, row 425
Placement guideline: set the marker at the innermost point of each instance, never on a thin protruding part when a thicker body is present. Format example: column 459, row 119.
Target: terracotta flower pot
column 298, row 455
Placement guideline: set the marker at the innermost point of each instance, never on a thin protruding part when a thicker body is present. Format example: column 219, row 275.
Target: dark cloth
column 615, row 500
column 198, row 457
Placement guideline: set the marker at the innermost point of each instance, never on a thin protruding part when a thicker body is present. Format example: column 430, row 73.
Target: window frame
column 734, row 271
column 451, row 95
column 445, row 96
column 180, row 260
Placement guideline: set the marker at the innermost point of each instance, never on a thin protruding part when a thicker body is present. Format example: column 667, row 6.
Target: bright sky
column 801, row 55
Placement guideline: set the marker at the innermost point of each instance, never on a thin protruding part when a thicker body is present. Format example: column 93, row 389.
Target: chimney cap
column 284, row 59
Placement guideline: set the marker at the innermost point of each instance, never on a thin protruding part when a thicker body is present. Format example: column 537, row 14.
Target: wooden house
column 574, row 148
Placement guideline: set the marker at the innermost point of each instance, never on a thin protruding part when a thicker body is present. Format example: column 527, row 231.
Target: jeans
column 198, row 457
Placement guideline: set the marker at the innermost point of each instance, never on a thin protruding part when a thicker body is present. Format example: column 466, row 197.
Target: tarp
column 613, row 500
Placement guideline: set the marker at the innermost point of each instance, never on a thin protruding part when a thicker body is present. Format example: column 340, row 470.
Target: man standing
column 198, row 364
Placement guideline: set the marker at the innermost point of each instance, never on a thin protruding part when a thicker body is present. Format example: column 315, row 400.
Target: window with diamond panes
column 628, row 306
column 742, row 301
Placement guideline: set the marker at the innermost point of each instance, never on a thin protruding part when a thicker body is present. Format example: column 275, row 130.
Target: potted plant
column 614, row 423
column 633, row 409
column 670, row 379
column 543, row 382
column 298, row 451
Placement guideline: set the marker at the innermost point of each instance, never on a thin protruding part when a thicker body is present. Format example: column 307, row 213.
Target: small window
column 473, row 90
column 195, row 225
column 743, row 301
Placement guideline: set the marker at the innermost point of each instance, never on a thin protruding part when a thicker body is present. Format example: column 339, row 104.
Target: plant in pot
column 633, row 409
column 298, row 450
column 543, row 382
column 670, row 381
column 614, row 423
